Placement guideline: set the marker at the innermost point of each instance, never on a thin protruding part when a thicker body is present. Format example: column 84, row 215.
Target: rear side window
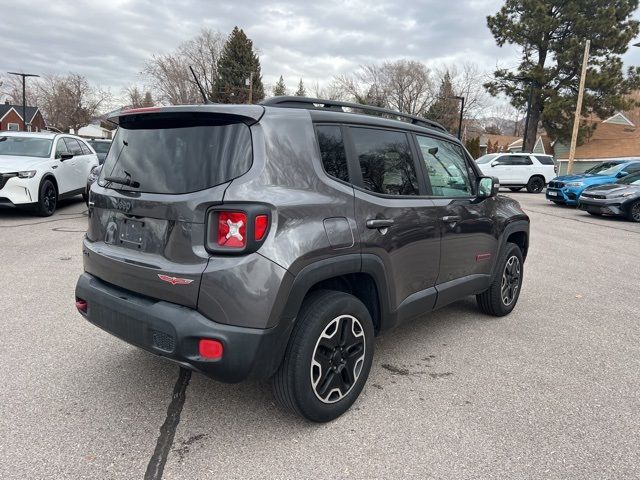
column 544, row 159
column 385, row 161
column 85, row 148
column 178, row 153
column 334, row 158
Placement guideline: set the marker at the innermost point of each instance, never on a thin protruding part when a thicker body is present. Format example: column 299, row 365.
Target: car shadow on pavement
column 69, row 206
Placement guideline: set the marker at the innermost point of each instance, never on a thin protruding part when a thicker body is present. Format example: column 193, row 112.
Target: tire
column 318, row 342
column 535, row 184
column 515, row 189
column 633, row 212
column 492, row 301
column 47, row 198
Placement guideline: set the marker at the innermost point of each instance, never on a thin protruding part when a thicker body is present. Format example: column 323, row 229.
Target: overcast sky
column 109, row 41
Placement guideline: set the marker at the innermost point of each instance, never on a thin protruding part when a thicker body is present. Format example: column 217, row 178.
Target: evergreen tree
column 237, row 64
column 445, row 109
column 552, row 36
column 301, row 92
column 147, row 100
column 280, row 88
column 473, row 146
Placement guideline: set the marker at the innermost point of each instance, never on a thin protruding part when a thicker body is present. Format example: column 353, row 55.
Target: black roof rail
column 339, row 106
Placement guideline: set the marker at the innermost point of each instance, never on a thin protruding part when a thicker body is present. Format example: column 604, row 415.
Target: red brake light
column 261, row 224
column 232, row 229
column 210, row 349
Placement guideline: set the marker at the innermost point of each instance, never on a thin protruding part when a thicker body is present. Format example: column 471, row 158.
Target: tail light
column 237, row 228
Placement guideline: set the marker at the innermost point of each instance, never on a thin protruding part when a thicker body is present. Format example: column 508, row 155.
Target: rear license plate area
column 131, row 233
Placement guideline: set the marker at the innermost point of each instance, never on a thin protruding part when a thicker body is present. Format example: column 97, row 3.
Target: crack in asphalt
column 155, row 468
column 40, row 223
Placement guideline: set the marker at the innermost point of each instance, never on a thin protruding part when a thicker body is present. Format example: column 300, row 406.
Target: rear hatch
column 147, row 212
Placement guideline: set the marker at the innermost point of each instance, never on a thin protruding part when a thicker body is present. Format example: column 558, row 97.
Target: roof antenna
column 204, row 96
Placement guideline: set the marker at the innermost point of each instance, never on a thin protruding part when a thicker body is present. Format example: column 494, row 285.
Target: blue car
column 567, row 188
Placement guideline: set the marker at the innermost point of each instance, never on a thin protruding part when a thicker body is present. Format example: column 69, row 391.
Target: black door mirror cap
column 65, row 156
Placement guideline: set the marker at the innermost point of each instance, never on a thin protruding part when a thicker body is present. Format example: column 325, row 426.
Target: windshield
column 25, row 146
column 486, row 158
column 176, row 153
column 633, row 179
column 601, row 168
column 101, row 147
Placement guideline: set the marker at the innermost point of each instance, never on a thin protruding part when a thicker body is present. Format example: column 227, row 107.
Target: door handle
column 451, row 219
column 379, row 223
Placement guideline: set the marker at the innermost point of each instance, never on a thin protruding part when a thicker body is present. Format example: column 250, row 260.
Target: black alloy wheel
column 510, row 281
column 634, row 211
column 338, row 358
column 535, row 185
column 47, row 199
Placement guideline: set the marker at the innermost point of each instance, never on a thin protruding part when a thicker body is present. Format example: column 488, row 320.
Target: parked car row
column 519, row 170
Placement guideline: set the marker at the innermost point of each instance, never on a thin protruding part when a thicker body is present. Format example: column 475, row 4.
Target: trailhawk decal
column 174, row 280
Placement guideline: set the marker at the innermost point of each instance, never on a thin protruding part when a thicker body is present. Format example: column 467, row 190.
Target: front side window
column 385, row 161
column 446, row 168
column 334, row 158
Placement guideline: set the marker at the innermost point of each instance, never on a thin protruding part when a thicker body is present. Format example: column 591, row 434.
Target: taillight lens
column 232, row 229
column 261, row 225
column 237, row 229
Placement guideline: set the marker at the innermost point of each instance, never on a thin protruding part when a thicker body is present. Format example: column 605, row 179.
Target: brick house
column 11, row 118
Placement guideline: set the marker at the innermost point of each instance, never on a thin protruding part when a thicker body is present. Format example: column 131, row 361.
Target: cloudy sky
column 109, row 40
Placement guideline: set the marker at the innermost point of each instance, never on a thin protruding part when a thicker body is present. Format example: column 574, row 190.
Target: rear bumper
column 173, row 331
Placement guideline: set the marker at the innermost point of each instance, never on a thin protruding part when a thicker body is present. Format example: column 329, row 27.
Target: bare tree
column 69, row 101
column 467, row 81
column 169, row 76
column 403, row 85
column 11, row 89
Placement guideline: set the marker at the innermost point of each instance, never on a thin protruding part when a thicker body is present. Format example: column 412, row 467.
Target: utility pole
column 24, row 96
column 576, row 120
column 458, row 97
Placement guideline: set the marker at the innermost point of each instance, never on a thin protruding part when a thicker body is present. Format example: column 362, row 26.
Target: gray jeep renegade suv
column 277, row 240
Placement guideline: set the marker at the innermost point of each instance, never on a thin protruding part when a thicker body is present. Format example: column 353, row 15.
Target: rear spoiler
column 248, row 114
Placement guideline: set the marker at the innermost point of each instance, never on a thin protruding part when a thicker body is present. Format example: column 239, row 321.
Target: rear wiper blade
column 123, row 181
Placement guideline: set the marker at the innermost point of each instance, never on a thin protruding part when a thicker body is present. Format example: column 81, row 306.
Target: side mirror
column 494, row 163
column 65, row 156
column 622, row 174
column 488, row 187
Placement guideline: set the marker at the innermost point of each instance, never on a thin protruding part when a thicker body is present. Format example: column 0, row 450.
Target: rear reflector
column 81, row 305
column 261, row 224
column 232, row 229
column 210, row 349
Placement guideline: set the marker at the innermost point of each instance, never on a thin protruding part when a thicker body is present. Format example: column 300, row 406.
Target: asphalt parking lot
column 551, row 391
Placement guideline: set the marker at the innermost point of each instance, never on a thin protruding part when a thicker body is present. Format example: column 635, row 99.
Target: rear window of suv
column 177, row 153
column 544, row 159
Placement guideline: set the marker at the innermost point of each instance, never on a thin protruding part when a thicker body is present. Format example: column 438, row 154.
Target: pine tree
column 301, row 92
column 237, row 64
column 147, row 101
column 473, row 146
column 445, row 108
column 280, row 88
column 552, row 36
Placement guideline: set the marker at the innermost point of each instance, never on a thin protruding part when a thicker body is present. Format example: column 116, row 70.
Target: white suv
column 38, row 169
column 518, row 170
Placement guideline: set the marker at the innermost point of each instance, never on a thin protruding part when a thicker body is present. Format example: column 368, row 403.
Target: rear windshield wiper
column 122, row 181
